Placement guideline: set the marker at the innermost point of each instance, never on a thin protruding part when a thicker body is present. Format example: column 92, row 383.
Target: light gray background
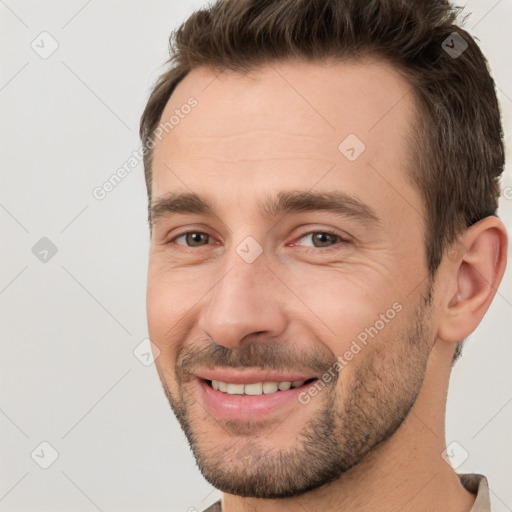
column 69, row 326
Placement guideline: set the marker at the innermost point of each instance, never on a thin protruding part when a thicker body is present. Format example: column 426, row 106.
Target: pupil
column 195, row 238
column 322, row 238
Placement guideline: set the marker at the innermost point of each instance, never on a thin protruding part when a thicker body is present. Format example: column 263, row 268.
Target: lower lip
column 248, row 407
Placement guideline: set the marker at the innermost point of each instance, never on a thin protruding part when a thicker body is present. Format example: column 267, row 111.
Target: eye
column 321, row 239
column 192, row 239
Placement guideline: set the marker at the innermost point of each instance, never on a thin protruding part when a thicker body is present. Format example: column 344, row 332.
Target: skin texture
column 372, row 438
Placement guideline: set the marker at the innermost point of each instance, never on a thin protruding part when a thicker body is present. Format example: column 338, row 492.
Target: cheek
column 164, row 311
column 170, row 296
column 380, row 365
column 346, row 309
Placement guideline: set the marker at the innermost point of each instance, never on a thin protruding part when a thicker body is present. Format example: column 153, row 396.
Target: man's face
column 300, row 259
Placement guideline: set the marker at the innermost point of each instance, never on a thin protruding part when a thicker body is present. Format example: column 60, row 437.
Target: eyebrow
column 337, row 202
column 172, row 203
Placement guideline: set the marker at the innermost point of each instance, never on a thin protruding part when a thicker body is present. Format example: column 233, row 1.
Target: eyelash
column 334, row 246
column 328, row 248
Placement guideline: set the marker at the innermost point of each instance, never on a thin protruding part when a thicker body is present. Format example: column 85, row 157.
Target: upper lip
column 250, row 376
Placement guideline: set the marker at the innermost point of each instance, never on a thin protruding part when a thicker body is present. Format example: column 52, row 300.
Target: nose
column 244, row 302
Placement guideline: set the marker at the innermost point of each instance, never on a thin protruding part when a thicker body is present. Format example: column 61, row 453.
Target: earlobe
column 477, row 271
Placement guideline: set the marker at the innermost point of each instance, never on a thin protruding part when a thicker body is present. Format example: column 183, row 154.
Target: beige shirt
column 476, row 484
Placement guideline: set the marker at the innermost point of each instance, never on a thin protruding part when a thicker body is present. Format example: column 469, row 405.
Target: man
column 323, row 179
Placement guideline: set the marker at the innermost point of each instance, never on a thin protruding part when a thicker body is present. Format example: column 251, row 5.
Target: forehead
column 285, row 125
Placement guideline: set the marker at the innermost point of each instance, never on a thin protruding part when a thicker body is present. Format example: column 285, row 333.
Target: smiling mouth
column 256, row 388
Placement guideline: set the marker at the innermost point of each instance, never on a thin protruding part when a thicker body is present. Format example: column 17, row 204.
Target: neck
column 406, row 473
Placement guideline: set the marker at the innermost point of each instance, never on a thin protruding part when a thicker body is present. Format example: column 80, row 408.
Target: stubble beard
column 356, row 417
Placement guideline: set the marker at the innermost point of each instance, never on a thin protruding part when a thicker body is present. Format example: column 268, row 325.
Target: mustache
column 275, row 356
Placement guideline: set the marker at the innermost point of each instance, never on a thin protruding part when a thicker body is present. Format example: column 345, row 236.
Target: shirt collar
column 477, row 484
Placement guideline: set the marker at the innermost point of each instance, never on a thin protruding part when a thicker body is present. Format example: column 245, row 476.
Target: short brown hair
column 458, row 149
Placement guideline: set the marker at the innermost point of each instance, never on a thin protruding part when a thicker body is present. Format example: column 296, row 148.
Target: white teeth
column 235, row 389
column 270, row 387
column 254, row 389
column 258, row 388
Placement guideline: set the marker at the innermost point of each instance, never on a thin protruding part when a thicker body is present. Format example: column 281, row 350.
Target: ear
column 474, row 270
